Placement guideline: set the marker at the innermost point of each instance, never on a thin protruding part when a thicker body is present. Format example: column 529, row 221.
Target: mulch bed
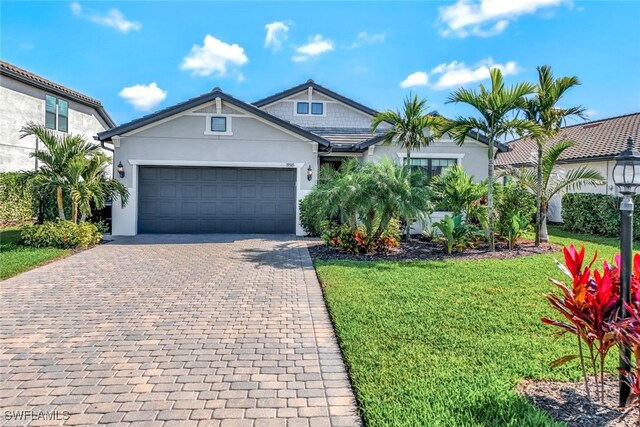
column 568, row 402
column 418, row 249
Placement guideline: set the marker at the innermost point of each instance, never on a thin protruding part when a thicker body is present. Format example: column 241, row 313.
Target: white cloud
column 457, row 74
column 143, row 97
column 240, row 77
column 276, row 34
column 114, row 19
column 419, row 78
column 315, row 46
column 365, row 38
column 486, row 18
column 213, row 57
column 590, row 114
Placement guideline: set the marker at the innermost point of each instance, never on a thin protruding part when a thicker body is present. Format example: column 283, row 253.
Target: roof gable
column 203, row 99
column 320, row 89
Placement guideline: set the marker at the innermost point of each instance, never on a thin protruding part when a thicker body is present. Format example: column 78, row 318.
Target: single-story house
column 596, row 145
column 216, row 164
column 25, row 97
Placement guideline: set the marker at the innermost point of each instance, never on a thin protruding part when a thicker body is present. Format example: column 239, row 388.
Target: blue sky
column 138, row 57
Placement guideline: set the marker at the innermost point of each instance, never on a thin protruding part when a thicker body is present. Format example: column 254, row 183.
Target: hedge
column 16, row 200
column 596, row 214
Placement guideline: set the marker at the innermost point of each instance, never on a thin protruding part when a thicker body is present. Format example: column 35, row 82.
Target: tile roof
column 28, row 77
column 599, row 139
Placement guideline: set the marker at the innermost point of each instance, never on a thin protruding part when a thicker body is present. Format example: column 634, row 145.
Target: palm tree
column 89, row 186
column 554, row 181
column 541, row 110
column 412, row 128
column 497, row 107
column 409, row 127
column 55, row 159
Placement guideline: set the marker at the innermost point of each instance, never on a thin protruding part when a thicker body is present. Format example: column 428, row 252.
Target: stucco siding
column 604, row 167
column 472, row 155
column 21, row 103
column 183, row 142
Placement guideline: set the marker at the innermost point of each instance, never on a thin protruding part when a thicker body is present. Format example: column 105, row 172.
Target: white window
column 56, row 115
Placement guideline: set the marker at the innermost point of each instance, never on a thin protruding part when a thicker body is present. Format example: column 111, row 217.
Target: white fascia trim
column 206, row 104
column 457, row 156
column 214, row 163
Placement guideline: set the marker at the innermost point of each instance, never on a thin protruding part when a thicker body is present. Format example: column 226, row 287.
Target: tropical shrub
column 456, row 234
column 455, row 191
column 356, row 241
column 513, row 197
column 590, row 307
column 367, row 197
column 16, row 199
column 60, row 234
column 515, row 226
column 311, row 218
column 596, row 214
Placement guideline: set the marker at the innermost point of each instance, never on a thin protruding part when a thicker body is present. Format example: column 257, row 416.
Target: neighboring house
column 25, row 97
column 596, row 145
column 217, row 164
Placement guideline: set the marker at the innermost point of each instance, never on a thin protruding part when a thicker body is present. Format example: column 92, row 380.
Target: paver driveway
column 164, row 330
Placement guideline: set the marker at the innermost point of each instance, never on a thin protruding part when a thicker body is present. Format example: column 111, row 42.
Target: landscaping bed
column 419, row 249
column 567, row 402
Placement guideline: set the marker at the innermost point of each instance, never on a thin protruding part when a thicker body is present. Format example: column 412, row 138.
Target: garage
column 216, row 200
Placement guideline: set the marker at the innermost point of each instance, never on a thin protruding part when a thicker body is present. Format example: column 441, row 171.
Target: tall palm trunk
column 60, row 202
column 407, row 231
column 74, row 212
column 492, row 246
column 544, row 208
column 539, row 197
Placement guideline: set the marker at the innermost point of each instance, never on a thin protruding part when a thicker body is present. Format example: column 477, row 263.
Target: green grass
column 15, row 259
column 445, row 343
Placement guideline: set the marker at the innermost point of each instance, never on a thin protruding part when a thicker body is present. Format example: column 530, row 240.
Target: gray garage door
column 216, row 200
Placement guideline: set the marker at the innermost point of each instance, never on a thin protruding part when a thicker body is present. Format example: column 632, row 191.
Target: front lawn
column 15, row 259
column 445, row 343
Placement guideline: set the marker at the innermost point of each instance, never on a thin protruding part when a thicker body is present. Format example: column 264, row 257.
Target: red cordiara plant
column 590, row 306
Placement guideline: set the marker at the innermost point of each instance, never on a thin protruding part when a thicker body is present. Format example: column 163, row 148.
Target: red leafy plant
column 589, row 306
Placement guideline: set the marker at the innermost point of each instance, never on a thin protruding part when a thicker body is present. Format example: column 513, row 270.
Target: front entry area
column 195, row 200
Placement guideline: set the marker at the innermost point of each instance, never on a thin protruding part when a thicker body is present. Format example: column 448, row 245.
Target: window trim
column 207, row 125
column 309, row 103
column 434, row 156
column 56, row 113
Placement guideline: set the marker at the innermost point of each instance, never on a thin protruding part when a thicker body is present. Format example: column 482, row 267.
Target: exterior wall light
column 309, row 173
column 626, row 176
column 120, row 169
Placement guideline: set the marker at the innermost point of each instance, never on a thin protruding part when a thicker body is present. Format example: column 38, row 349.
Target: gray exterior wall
column 337, row 115
column 21, row 103
column 182, row 141
column 472, row 155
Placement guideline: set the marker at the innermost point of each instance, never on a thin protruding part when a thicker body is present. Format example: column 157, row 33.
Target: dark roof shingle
column 599, row 139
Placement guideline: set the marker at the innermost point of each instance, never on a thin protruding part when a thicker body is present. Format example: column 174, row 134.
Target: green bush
column 60, row 234
column 596, row 214
column 356, row 241
column 16, row 199
column 311, row 218
column 512, row 198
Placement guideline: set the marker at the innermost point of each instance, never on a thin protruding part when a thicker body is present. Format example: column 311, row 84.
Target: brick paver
column 162, row 330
